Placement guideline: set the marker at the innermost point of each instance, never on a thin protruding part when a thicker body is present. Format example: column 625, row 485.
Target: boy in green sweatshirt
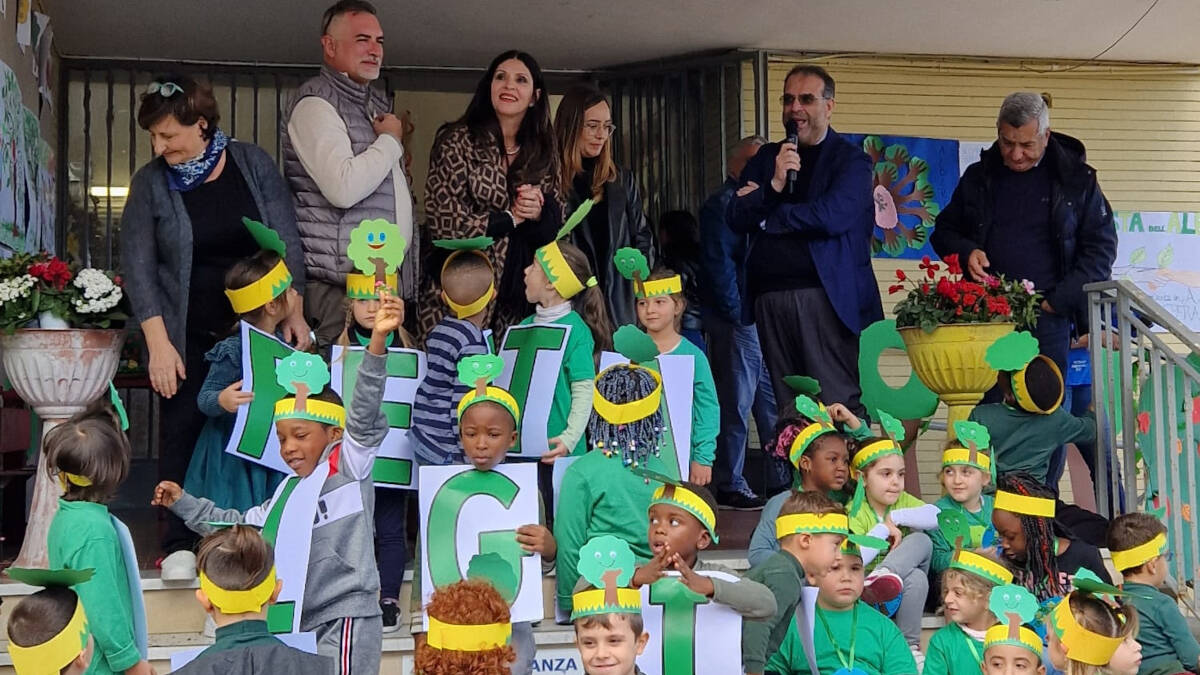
column 811, row 528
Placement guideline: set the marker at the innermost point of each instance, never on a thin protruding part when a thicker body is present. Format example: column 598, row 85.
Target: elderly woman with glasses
column 584, row 129
column 181, row 231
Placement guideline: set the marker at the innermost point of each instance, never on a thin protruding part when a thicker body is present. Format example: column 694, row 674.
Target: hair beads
column 635, row 441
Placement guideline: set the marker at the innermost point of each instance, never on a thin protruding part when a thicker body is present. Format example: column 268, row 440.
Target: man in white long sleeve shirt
column 343, row 158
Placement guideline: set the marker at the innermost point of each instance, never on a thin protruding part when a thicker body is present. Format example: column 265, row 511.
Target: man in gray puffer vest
column 342, row 158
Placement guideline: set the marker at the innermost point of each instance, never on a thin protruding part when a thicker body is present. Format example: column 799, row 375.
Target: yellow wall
column 1140, row 124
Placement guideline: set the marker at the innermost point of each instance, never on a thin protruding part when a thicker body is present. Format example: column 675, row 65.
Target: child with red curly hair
column 469, row 632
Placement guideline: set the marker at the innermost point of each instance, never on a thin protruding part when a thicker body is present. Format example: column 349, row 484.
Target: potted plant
column 947, row 322
column 62, row 330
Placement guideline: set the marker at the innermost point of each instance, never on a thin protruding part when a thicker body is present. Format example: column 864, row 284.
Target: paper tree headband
column 239, row 601
column 607, row 563
column 1141, row 554
column 864, row 546
column 975, row 438
column 555, row 265
column 893, row 429
column 478, row 372
column 376, row 250
column 272, row 284
column 491, row 568
column 459, row 247
column 811, row 523
column 1015, row 353
column 305, row 375
column 1040, row 507
column 1081, row 644
column 675, row 493
column 820, row 426
column 802, row 384
column 1013, row 606
column 632, row 265
column 957, row 531
column 54, row 654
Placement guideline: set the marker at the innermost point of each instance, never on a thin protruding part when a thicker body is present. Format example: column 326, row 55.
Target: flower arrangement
column 953, row 299
column 33, row 284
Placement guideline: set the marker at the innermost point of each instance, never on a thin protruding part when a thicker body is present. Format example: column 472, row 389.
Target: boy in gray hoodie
column 341, row 593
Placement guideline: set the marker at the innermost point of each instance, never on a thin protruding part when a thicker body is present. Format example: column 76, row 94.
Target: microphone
column 793, row 138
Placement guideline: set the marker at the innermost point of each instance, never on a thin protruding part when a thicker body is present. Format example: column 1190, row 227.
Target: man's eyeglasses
column 600, row 128
column 805, row 99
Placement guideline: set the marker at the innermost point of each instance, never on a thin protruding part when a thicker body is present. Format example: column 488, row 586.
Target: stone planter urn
column 58, row 372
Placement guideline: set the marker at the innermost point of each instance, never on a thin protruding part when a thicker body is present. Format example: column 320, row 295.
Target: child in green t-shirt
column 957, row 648
column 966, row 470
column 846, row 633
column 1011, row 647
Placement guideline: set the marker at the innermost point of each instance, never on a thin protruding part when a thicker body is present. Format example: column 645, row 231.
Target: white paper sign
column 533, row 356
column 678, row 375
column 689, row 635
column 305, row 642
column 394, row 466
column 465, row 512
column 253, row 438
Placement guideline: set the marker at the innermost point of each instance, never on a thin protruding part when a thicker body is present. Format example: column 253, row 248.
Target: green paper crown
column 266, row 238
column 632, row 264
column 376, row 247
column 59, row 578
column 486, row 367
column 802, row 384
column 575, row 218
column 1012, row 352
column 472, row 244
column 634, row 344
column 492, row 568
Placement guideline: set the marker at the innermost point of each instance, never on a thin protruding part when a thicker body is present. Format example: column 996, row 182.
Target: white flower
column 17, row 287
column 94, row 283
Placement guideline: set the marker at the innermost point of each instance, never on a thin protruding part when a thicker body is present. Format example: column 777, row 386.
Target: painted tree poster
column 1160, row 253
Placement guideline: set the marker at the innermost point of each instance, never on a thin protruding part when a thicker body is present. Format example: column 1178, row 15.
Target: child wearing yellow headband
column 1138, row 542
column 966, row 588
column 469, row 632
column 967, row 468
column 1086, row 635
column 229, row 481
column 560, row 285
column 237, row 584
column 48, row 632
column 88, row 455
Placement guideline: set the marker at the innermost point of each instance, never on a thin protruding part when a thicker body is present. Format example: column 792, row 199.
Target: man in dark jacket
column 739, row 372
column 808, row 270
column 1031, row 208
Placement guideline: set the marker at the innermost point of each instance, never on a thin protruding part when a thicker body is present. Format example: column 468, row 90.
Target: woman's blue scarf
column 186, row 176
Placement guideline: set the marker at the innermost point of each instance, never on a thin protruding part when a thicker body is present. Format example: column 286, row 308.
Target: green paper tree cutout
column 954, row 527
column 802, row 384
column 266, row 238
column 1013, row 605
column 492, row 568
column 575, row 218
column 1012, row 352
column 472, row 244
column 813, row 411
column 479, row 370
column 634, row 344
column 60, row 578
column 974, row 436
column 607, row 562
column 376, row 247
column 892, row 427
column 302, row 374
column 632, row 265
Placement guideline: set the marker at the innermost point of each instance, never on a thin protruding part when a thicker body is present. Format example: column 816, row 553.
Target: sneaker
column 391, row 615
column 210, row 627
column 739, row 500
column 881, row 586
column 179, row 566
column 918, row 657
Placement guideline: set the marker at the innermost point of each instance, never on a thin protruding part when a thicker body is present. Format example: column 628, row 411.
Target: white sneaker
column 918, row 657
column 179, row 566
column 210, row 627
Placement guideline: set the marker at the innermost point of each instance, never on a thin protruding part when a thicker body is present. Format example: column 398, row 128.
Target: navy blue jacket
column 722, row 258
column 1084, row 231
column 839, row 216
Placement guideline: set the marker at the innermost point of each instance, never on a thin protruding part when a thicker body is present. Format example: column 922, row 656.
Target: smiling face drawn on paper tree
column 1013, row 605
column 905, row 206
column 607, row 562
column 302, row 374
column 376, row 247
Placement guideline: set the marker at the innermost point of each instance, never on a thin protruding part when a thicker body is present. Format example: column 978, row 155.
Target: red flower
column 901, row 276
column 117, row 280
column 999, row 306
column 969, row 300
column 925, row 289
column 54, row 272
column 952, row 265
column 929, row 267
column 958, row 311
column 892, row 290
column 946, row 289
column 1143, row 422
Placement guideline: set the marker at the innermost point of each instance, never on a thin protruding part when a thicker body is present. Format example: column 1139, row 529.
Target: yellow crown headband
column 362, row 286
column 467, row 637
column 805, row 438
column 1081, row 644
column 1042, row 507
column 678, row 495
column 981, row 566
column 471, row 308
column 594, row 601
column 1000, row 634
column 493, row 394
column 239, row 602
column 875, row 451
column 323, row 412
column 258, row 293
column 50, row 657
column 962, row 457
column 627, row 413
column 65, row 479
column 559, row 271
column 811, row 523
column 668, row 286
column 1140, row 555
column 1021, row 390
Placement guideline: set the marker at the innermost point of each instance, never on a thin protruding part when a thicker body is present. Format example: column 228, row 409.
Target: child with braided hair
column 602, row 496
column 1040, row 550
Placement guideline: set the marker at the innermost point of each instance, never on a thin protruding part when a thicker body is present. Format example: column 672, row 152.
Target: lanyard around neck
column 847, row 664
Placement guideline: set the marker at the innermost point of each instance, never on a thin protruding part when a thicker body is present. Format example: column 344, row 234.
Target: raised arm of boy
column 366, row 425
